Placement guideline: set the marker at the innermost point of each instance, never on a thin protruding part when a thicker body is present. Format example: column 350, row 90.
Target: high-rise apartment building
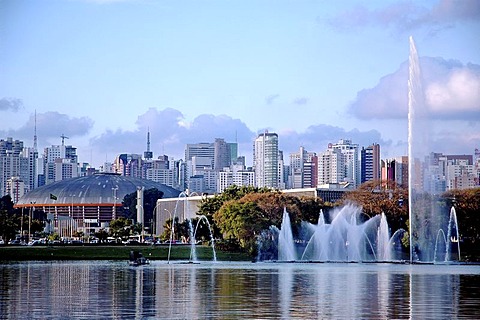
column 10, row 155
column 339, row 163
column 65, row 168
column 330, row 164
column 266, row 160
column 222, row 156
column 303, row 169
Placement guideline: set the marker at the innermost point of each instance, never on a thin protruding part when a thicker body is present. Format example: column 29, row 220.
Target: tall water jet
column 383, row 240
column 203, row 217
column 427, row 216
column 453, row 237
column 286, row 246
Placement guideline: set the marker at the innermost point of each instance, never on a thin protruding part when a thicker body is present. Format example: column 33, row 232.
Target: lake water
column 233, row 290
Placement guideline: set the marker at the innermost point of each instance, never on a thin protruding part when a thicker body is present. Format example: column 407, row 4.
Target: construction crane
column 63, row 138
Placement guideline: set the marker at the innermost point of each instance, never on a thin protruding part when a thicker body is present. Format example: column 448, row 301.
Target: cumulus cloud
column 452, row 91
column 406, row 15
column 51, row 125
column 317, row 137
column 458, row 92
column 169, row 133
column 12, row 104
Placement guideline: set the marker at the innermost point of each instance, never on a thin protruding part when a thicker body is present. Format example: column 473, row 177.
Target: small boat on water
column 137, row 258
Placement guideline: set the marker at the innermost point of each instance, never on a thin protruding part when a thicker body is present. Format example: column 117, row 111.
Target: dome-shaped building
column 86, row 202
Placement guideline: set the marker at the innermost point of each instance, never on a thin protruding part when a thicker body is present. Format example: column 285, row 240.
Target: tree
column 209, row 206
column 120, row 228
column 9, row 222
column 241, row 221
column 374, row 199
column 102, row 235
column 150, row 197
column 244, row 219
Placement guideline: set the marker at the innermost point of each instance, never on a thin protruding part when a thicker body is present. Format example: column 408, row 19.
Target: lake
column 233, row 290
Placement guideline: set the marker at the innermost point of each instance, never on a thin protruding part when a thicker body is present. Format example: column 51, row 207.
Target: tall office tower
column 28, row 168
column 301, row 162
column 370, row 163
column 53, row 168
column 197, row 157
column 10, row 151
column 205, row 150
column 128, row 165
column 233, row 149
column 222, row 156
column 265, row 160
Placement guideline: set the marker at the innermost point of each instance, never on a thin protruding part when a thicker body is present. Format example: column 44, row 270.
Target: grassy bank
column 178, row 252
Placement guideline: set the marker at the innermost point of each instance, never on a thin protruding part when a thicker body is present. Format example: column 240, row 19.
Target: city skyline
column 103, row 73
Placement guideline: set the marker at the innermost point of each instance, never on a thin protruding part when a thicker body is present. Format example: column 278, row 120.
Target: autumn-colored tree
column 375, row 199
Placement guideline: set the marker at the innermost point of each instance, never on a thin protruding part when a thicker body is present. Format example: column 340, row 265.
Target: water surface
column 115, row 290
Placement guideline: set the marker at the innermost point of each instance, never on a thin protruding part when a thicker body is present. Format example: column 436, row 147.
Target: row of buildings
column 209, row 168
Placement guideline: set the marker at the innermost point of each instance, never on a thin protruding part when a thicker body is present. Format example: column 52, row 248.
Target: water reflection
column 114, row 290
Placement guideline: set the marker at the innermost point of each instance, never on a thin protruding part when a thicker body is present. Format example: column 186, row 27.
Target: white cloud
column 50, row 126
column 169, row 133
column 405, row 16
column 458, row 92
column 452, row 91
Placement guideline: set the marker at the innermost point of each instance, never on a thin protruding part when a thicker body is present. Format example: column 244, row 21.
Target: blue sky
column 103, row 72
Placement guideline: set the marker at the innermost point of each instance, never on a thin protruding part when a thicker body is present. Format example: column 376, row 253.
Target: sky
column 104, row 72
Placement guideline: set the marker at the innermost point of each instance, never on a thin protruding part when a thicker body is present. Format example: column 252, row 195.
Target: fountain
column 427, row 214
column 346, row 239
column 286, row 247
column 212, row 239
column 191, row 230
column 433, row 236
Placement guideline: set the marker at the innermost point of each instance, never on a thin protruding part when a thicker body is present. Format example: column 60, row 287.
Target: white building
column 340, row 163
column 10, row 154
column 266, row 160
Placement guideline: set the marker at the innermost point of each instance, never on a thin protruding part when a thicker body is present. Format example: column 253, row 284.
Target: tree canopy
column 150, row 197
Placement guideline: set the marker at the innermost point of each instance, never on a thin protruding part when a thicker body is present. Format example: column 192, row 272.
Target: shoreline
column 109, row 252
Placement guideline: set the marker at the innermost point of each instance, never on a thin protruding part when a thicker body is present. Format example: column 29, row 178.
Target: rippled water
column 115, row 290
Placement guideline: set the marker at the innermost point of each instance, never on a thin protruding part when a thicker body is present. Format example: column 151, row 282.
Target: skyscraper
column 10, row 151
column 370, row 163
column 265, row 160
